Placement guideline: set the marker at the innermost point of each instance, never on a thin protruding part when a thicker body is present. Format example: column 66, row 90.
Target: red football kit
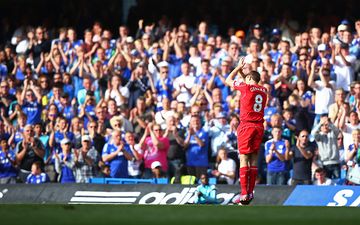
column 252, row 103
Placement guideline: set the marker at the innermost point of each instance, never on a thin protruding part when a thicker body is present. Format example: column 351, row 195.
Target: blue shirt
column 3, row 71
column 268, row 112
column 32, row 111
column 37, row 179
column 174, row 66
column 195, row 155
column 119, row 164
column 68, row 112
column 19, row 75
column 59, row 136
column 90, row 110
column 224, row 89
column 6, row 168
column 208, row 194
column 67, row 172
column 276, row 165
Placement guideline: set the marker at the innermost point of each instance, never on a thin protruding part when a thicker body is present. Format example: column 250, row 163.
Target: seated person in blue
column 37, row 176
column 205, row 193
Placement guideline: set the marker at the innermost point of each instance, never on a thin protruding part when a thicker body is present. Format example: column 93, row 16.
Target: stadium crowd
column 156, row 105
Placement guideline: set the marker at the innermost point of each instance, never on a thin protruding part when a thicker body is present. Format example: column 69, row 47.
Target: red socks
column 252, row 180
column 244, row 179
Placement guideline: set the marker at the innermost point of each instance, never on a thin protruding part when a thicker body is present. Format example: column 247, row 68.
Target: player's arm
column 238, row 69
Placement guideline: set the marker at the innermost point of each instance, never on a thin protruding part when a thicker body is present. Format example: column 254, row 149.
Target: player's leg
column 253, row 172
column 253, row 160
column 244, row 173
column 244, row 146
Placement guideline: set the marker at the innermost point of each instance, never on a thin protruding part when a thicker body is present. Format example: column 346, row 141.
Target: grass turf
column 173, row 214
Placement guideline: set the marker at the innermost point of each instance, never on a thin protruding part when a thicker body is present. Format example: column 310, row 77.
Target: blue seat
column 160, row 181
column 97, row 180
column 212, row 180
column 127, row 181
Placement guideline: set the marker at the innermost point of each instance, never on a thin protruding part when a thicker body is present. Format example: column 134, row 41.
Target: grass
column 172, row 215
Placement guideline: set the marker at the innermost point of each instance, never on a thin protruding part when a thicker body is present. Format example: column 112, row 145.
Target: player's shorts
column 249, row 138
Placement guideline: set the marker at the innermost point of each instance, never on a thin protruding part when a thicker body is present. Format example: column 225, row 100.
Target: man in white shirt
column 183, row 85
column 343, row 66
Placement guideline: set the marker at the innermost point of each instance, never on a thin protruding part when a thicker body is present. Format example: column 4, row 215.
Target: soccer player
column 250, row 130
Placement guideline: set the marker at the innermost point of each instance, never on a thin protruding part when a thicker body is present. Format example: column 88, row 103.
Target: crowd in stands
column 156, row 104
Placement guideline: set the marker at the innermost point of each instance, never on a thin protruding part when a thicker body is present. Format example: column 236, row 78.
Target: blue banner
column 307, row 195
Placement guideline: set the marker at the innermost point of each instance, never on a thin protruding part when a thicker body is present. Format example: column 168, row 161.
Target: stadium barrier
column 174, row 194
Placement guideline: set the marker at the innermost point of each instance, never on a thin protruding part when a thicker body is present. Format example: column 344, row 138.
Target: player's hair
column 254, row 75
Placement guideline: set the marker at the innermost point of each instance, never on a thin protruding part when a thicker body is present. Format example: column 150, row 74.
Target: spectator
column 176, row 153
column 8, row 167
column 37, row 176
column 324, row 91
column 117, row 92
column 86, row 161
column 335, row 109
column 155, row 147
column 157, row 170
column 218, row 134
column 97, row 139
column 348, row 128
column 325, row 134
column 139, row 115
column 321, row 178
column 225, row 168
column 30, row 104
column 183, row 85
column 205, row 193
column 196, row 146
column 343, row 65
column 302, row 154
column 352, row 150
column 116, row 154
column 65, row 162
column 29, row 151
column 276, row 152
column 134, row 166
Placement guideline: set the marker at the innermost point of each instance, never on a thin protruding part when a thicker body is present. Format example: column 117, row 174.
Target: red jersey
column 252, row 102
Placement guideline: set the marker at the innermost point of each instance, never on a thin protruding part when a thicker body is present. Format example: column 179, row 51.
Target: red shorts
column 249, row 138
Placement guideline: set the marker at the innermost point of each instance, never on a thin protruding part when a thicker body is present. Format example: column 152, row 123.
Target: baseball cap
column 85, row 138
column 129, row 39
column 163, row 64
column 155, row 164
column 240, row 34
column 342, row 27
column 257, row 26
column 276, row 31
column 64, row 141
column 321, row 47
column 220, row 115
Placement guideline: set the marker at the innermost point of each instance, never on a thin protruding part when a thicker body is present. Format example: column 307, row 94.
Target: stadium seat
column 127, row 181
column 212, row 180
column 160, row 181
column 97, row 180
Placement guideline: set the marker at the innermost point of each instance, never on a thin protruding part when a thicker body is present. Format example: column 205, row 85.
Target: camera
column 90, row 93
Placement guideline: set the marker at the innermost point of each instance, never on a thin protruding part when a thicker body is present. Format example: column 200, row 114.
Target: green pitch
column 172, row 215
